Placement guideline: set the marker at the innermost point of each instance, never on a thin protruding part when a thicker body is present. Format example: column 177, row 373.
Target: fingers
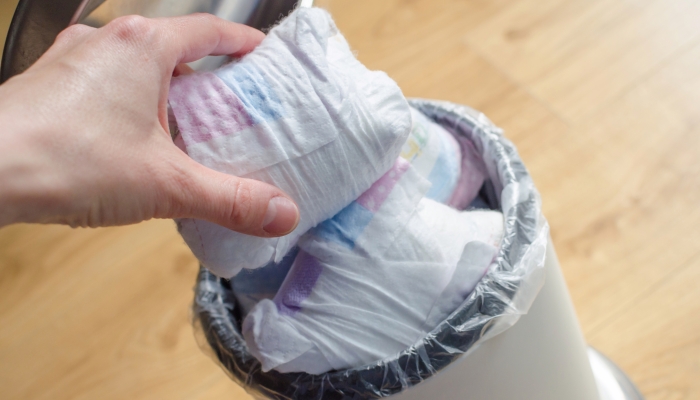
column 243, row 205
column 72, row 34
column 184, row 39
column 192, row 37
column 165, row 43
column 173, row 40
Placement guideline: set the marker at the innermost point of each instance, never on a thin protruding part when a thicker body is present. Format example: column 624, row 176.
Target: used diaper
column 299, row 112
column 373, row 280
column 435, row 155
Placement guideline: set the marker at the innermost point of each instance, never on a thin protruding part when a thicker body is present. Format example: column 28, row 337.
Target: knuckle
column 171, row 188
column 241, row 211
column 206, row 17
column 132, row 28
column 71, row 33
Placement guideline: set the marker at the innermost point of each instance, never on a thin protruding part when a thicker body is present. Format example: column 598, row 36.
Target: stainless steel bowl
column 36, row 23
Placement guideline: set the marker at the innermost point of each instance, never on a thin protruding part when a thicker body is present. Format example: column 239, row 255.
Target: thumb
column 243, row 205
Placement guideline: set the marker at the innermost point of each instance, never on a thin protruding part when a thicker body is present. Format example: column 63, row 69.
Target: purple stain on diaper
column 205, row 108
column 298, row 285
column 375, row 196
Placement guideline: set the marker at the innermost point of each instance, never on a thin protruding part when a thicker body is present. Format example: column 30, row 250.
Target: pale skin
column 84, row 137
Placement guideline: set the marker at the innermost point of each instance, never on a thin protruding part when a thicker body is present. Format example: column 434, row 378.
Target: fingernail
column 281, row 217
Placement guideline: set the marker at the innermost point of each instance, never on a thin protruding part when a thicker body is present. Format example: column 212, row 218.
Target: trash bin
column 479, row 351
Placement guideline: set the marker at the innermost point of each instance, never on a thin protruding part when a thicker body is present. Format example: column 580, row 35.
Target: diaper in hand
column 299, row 112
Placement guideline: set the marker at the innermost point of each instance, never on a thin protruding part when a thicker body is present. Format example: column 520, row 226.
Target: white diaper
column 299, row 112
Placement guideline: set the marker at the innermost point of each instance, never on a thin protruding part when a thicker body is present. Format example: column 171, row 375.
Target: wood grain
column 600, row 96
column 7, row 8
column 577, row 55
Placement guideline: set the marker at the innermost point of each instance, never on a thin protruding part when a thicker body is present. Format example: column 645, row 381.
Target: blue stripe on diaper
column 264, row 280
column 249, row 85
column 346, row 226
column 442, row 176
column 439, row 177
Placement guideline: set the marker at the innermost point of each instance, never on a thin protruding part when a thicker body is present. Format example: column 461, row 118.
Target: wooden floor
column 602, row 98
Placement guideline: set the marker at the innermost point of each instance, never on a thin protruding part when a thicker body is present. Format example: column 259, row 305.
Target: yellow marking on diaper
column 413, row 150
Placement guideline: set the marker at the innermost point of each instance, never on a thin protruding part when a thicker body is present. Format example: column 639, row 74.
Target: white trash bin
column 543, row 356
column 479, row 352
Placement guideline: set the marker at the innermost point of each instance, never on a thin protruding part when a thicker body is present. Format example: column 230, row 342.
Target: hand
column 85, row 141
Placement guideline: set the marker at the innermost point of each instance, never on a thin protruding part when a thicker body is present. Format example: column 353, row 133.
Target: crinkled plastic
column 505, row 293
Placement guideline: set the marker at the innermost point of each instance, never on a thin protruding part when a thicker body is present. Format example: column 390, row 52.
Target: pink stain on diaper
column 472, row 177
column 205, row 108
column 375, row 196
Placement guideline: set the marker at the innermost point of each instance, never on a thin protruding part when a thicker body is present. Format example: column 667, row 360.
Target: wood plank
column 577, row 55
column 98, row 314
column 422, row 46
column 624, row 213
column 7, row 9
column 657, row 339
column 221, row 388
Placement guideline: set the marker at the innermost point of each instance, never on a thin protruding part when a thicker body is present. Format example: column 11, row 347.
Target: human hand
column 85, row 137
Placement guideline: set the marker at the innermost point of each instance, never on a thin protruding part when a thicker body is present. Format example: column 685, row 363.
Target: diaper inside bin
column 504, row 293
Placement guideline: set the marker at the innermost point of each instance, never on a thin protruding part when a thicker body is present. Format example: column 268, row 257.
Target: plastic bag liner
column 505, row 292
